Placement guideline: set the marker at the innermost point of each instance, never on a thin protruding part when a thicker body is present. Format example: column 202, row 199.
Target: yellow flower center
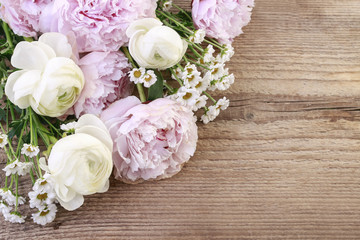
column 137, row 74
column 1, row 140
column 215, row 71
column 187, row 96
column 44, row 213
column 190, row 70
column 148, row 78
column 191, row 78
column 42, row 196
column 29, row 149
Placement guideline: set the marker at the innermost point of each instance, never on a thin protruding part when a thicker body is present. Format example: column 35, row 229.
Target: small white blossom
column 225, row 82
column 137, row 75
column 210, row 114
column 186, row 96
column 200, row 102
column 10, row 198
column 3, row 140
column 222, row 103
column 17, row 167
column 41, row 199
column 149, row 78
column 178, row 73
column 227, row 52
column 43, row 184
column 4, row 207
column 68, row 126
column 167, row 5
column 14, row 217
column 192, row 80
column 46, row 215
column 30, row 150
column 203, row 84
column 198, row 36
column 208, row 53
column 189, row 69
column 216, row 71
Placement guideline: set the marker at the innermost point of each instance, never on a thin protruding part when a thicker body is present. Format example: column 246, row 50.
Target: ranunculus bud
column 153, row 45
column 50, row 81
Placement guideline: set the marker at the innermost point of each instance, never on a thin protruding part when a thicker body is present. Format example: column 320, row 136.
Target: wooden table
column 283, row 162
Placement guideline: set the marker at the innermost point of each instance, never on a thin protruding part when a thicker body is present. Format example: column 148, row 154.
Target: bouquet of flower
column 68, row 71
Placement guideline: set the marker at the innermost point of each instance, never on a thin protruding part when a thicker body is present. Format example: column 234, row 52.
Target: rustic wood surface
column 281, row 163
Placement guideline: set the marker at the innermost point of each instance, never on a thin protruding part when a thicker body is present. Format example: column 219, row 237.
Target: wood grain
column 281, row 163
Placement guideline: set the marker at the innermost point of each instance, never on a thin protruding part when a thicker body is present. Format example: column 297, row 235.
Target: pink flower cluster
column 151, row 141
column 98, row 25
column 222, row 19
column 106, row 81
column 23, row 15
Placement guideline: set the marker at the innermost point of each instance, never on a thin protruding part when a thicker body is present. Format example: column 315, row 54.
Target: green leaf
column 156, row 90
column 2, row 114
column 16, row 127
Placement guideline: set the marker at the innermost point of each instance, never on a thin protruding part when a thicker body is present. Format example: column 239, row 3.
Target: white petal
column 73, row 204
column 142, row 24
column 31, row 55
column 58, row 42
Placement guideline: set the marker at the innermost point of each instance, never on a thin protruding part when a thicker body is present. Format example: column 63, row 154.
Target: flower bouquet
column 69, row 69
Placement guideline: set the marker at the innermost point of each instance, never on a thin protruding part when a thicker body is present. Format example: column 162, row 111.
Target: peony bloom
column 22, row 15
column 80, row 164
column 222, row 19
column 99, row 25
column 50, row 81
column 106, row 81
column 153, row 45
column 151, row 141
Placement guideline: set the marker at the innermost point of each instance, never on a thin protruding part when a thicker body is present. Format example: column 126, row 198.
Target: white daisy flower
column 210, row 114
column 46, row 215
column 222, row 103
column 198, row 36
column 43, row 184
column 192, row 80
column 149, row 78
column 3, row 140
column 203, row 84
column 14, row 217
column 217, row 70
column 4, row 207
column 200, row 102
column 225, row 82
column 187, row 97
column 137, row 75
column 66, row 127
column 227, row 52
column 208, row 53
column 189, row 69
column 178, row 73
column 40, row 199
column 10, row 198
column 30, row 150
column 167, row 5
column 17, row 167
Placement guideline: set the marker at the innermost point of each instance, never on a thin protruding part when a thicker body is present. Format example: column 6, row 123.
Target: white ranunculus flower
column 81, row 164
column 49, row 80
column 153, row 45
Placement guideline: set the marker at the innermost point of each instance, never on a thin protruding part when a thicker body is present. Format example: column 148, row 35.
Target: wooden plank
column 281, row 163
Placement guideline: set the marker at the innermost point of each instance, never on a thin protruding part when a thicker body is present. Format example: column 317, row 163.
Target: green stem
column 51, row 125
column 139, row 86
column 20, row 139
column 175, row 21
column 7, row 34
column 195, row 52
column 210, row 97
column 196, row 63
column 31, row 126
column 12, row 181
column 183, row 11
column 169, row 87
column 176, row 77
column 214, row 43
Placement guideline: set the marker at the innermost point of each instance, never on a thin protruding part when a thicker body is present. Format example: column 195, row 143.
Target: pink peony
column 151, row 141
column 99, row 25
column 222, row 19
column 22, row 15
column 107, row 80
